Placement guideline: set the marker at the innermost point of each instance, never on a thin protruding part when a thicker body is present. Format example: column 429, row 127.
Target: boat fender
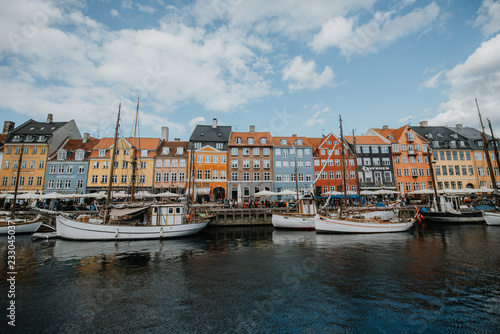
column 116, row 233
column 161, row 232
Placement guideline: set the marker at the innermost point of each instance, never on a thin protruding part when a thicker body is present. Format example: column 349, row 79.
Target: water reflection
column 259, row 280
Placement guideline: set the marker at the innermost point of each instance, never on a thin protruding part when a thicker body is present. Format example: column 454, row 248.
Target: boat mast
column 296, row 180
column 344, row 181
column 112, row 169
column 358, row 186
column 17, row 180
column 134, row 158
column 497, row 156
column 190, row 179
column 429, row 157
column 487, row 153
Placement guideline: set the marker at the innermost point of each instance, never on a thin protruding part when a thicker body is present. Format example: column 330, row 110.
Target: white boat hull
column 335, row 225
column 294, row 221
column 74, row 230
column 21, row 226
column 492, row 218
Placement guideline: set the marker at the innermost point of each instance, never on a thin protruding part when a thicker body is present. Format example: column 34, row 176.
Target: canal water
column 260, row 280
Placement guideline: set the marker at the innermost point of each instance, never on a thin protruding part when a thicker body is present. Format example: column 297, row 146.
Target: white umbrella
column 166, row 194
column 286, row 193
column 422, row 192
column 385, row 192
column 265, row 193
column 367, row 192
column 332, row 193
column 28, row 196
column 53, row 195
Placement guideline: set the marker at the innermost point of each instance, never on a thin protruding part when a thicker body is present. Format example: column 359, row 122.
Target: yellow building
column 100, row 158
column 36, row 141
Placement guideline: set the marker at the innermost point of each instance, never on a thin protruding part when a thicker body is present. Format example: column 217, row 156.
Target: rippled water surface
column 260, row 280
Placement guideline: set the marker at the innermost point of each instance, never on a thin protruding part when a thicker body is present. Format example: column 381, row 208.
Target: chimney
column 164, row 133
column 8, row 126
column 385, row 127
column 177, row 139
column 252, row 128
column 424, row 123
column 294, row 135
column 86, row 137
column 214, row 123
column 458, row 126
column 49, row 118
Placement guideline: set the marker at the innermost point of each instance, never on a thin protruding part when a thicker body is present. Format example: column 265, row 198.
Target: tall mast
column 134, row 158
column 296, row 180
column 17, row 180
column 487, row 153
column 190, row 178
column 497, row 156
column 358, row 187
column 429, row 157
column 112, row 169
column 344, row 181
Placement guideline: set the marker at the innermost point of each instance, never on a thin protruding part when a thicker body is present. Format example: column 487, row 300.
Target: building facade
column 171, row 166
column 100, row 159
column 250, row 164
column 410, row 158
column 67, row 168
column 208, row 147
column 288, row 153
column 36, row 141
column 374, row 162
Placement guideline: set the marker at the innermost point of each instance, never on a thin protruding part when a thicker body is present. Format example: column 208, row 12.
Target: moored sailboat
column 492, row 218
column 346, row 224
column 142, row 221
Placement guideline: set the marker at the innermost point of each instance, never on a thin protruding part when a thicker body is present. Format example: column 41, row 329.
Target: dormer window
column 197, row 145
column 102, row 153
column 283, row 141
column 42, row 138
column 480, row 143
column 429, row 135
column 165, row 151
column 180, row 150
column 144, row 153
column 409, row 136
column 16, row 138
column 250, row 141
column 263, row 140
column 79, row 155
column 440, row 135
column 298, row 142
column 237, row 140
column 61, row 155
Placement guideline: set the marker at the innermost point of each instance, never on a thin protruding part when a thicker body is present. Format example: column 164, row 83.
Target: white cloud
column 478, row 77
column 383, row 29
column 489, row 17
column 114, row 13
column 432, row 82
column 318, row 116
column 146, row 9
column 304, row 76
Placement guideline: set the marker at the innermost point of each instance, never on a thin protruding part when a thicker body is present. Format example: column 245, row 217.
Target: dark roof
column 34, row 128
column 442, row 134
column 206, row 133
column 473, row 136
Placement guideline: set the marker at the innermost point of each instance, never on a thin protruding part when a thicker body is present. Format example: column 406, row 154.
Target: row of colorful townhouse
column 55, row 157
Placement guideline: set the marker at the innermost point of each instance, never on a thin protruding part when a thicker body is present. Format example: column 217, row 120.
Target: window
column 142, row 178
column 123, row 178
column 182, row 177
column 283, row 141
column 207, row 174
column 43, row 149
column 285, row 153
column 386, row 161
column 30, row 181
column 256, row 164
column 234, row 151
column 246, row 163
column 60, row 169
column 222, row 174
column 69, row 169
column 246, row 151
column 166, row 177
column 67, row 184
column 215, row 160
column 61, row 155
column 59, row 184
column 50, row 184
column 234, row 176
column 215, row 174
column 256, row 151
column 102, row 153
column 144, row 164
column 237, row 140
column 234, row 163
column 267, row 176
column 219, row 146
column 104, row 179
column 165, row 150
column 250, row 141
column 222, row 159
column 158, row 163
column 166, row 163
column 207, row 159
column 256, row 176
column 105, row 164
column 279, row 177
column 197, row 145
column 94, row 179
column 157, row 177
column 95, row 165
column 79, row 184
column 267, row 164
column 199, row 174
column 266, row 150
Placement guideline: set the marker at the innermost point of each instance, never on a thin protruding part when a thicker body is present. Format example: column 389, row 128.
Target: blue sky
column 289, row 67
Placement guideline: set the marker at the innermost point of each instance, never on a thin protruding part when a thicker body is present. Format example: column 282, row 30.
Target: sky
column 285, row 66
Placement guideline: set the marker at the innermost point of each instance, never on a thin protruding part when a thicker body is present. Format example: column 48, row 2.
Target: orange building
column 100, row 158
column 410, row 160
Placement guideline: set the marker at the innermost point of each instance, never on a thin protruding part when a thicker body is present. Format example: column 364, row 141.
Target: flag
column 418, row 216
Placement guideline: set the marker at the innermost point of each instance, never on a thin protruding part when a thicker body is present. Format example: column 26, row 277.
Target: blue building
column 67, row 168
column 287, row 153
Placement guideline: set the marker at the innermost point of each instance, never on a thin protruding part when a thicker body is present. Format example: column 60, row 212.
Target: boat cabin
column 167, row 214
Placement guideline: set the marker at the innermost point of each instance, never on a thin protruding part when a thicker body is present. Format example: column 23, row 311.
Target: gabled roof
column 393, row 135
column 207, row 133
column 368, row 140
column 440, row 134
column 74, row 145
column 291, row 140
column 34, row 128
column 255, row 135
column 173, row 145
column 149, row 144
